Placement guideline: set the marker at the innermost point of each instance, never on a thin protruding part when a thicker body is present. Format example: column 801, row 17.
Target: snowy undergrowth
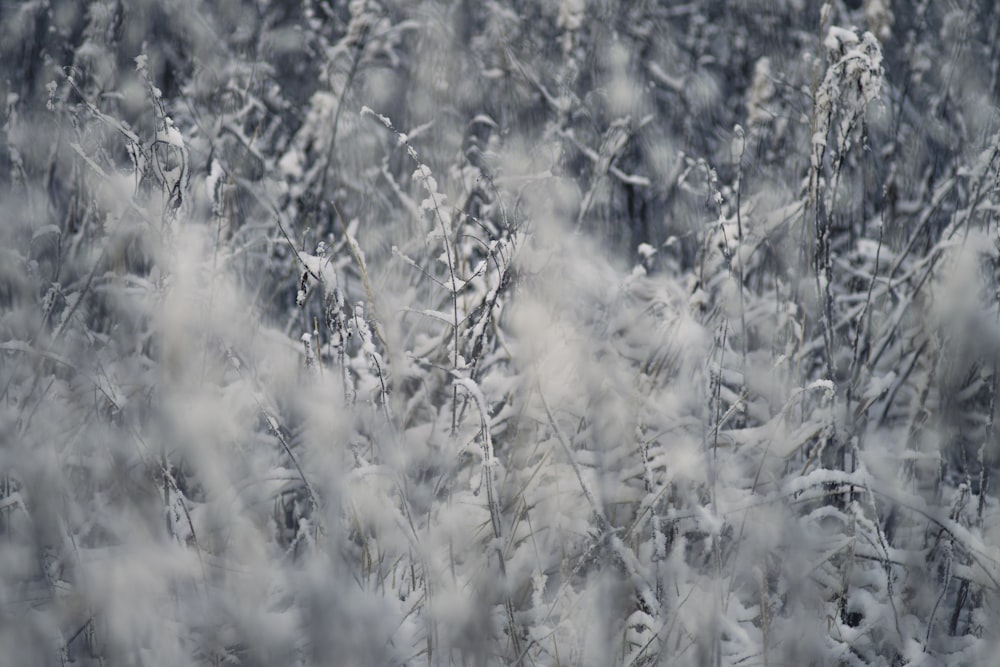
column 298, row 369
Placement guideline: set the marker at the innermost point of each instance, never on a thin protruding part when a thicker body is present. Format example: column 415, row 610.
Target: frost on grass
column 395, row 333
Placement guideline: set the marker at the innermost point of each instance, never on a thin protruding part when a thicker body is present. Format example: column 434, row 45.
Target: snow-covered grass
column 566, row 333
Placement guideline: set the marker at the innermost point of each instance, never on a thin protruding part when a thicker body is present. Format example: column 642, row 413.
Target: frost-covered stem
column 493, row 501
column 712, row 461
column 919, row 411
column 182, row 502
column 883, row 544
column 367, row 345
column 716, row 624
column 847, row 569
column 345, row 375
column 985, row 462
column 715, row 402
column 986, row 183
column 765, row 618
column 823, row 273
column 385, row 392
column 948, row 556
column 815, row 148
column 5, row 492
column 819, row 241
column 623, row 553
column 856, row 348
column 310, row 356
column 453, row 289
column 275, row 429
column 599, row 515
column 909, row 52
column 960, row 599
column 359, row 259
column 488, row 458
column 164, row 467
column 855, row 419
column 741, row 135
column 432, row 194
column 359, row 47
column 319, row 345
column 489, row 305
column 334, row 315
column 68, row 316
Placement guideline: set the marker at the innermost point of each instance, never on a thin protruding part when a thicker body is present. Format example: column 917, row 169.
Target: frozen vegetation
column 499, row 332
